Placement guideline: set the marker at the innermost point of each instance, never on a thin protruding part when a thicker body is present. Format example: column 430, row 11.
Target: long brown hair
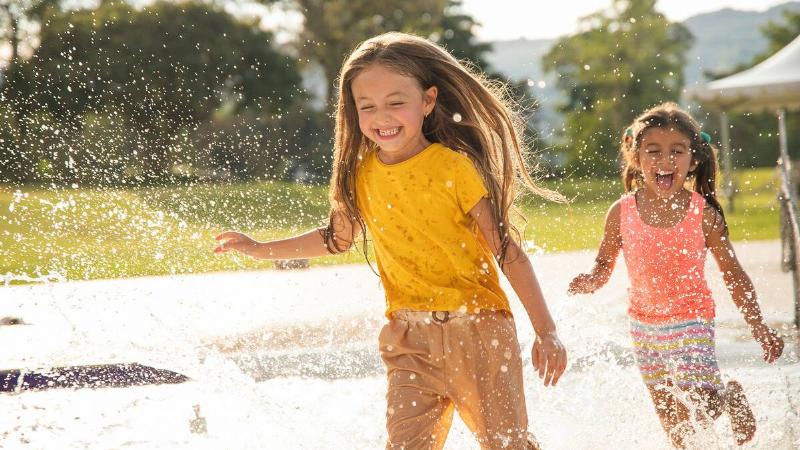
column 489, row 131
column 671, row 116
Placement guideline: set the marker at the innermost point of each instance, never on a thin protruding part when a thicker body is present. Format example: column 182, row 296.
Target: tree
column 625, row 60
column 162, row 69
column 15, row 15
column 457, row 34
column 780, row 34
column 333, row 28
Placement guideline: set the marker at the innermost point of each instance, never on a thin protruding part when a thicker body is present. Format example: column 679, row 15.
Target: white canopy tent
column 774, row 85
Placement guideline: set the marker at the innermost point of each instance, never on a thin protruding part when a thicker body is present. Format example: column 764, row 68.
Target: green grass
column 91, row 233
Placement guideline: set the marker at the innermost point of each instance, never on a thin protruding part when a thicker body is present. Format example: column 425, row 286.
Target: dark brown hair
column 704, row 155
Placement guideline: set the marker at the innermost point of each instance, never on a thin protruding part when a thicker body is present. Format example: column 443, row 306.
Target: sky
column 536, row 19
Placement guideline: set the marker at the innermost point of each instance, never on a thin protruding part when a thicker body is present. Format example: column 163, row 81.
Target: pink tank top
column 666, row 266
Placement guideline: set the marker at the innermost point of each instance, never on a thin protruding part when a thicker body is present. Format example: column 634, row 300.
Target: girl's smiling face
column 391, row 108
column 665, row 157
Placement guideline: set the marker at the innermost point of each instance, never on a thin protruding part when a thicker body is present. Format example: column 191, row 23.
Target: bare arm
column 586, row 283
column 549, row 356
column 307, row 245
column 739, row 284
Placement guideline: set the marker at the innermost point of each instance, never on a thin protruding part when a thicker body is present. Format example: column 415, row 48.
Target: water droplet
column 507, row 354
column 495, row 342
column 504, row 368
column 463, row 309
column 456, row 117
column 412, row 376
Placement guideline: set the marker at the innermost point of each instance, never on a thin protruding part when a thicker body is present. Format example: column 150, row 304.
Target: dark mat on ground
column 95, row 376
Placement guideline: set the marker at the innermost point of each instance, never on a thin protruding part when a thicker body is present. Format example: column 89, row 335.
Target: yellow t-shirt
column 431, row 255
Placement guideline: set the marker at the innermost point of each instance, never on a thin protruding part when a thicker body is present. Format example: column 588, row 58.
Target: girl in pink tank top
column 664, row 230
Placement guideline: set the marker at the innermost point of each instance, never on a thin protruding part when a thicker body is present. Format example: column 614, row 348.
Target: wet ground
column 288, row 360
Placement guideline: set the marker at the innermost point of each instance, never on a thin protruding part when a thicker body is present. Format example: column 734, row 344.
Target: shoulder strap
column 696, row 208
column 627, row 210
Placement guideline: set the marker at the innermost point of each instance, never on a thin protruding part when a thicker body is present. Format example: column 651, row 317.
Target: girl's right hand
column 549, row 358
column 233, row 240
column 771, row 343
column 584, row 283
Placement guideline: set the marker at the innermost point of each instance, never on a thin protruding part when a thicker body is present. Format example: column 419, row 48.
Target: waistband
column 430, row 316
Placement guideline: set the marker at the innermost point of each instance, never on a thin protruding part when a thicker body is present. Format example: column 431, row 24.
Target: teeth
column 663, row 173
column 389, row 132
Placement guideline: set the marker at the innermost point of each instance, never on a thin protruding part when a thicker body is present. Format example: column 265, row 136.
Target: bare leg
column 710, row 404
column 743, row 423
column 674, row 416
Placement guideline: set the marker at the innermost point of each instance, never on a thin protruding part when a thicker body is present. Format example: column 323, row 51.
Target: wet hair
column 489, row 130
column 704, row 155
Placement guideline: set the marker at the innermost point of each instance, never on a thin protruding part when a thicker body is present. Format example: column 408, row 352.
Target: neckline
column 683, row 219
column 401, row 163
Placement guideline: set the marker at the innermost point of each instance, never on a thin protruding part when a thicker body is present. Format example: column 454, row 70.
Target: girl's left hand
column 771, row 343
column 549, row 358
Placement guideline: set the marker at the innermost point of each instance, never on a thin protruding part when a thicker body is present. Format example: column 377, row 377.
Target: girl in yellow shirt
column 428, row 159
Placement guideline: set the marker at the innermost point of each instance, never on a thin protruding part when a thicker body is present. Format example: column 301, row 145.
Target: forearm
column 523, row 280
column 602, row 269
column 744, row 297
column 304, row 246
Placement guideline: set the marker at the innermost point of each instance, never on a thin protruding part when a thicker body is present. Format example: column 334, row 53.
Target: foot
column 743, row 423
column 533, row 443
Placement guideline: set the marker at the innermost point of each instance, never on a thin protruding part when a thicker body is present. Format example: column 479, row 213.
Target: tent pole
column 787, row 191
column 727, row 164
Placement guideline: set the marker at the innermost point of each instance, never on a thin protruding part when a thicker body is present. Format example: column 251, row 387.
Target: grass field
column 90, row 234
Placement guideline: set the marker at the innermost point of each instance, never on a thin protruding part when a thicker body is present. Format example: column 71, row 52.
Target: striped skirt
column 681, row 352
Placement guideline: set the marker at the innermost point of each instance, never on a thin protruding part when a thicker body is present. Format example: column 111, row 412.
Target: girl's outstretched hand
column 771, row 343
column 549, row 358
column 233, row 240
column 584, row 283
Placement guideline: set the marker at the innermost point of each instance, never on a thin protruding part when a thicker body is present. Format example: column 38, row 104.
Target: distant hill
column 723, row 40
column 727, row 38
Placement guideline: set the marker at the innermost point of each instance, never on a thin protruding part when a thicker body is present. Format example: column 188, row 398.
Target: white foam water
column 288, row 360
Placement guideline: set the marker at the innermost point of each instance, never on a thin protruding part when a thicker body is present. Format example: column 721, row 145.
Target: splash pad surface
column 289, row 360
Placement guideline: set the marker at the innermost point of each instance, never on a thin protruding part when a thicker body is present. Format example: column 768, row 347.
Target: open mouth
column 387, row 132
column 664, row 180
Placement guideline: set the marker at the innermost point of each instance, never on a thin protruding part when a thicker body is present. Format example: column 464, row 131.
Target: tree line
column 115, row 93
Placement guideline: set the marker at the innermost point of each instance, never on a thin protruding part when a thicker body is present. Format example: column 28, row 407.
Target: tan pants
column 466, row 362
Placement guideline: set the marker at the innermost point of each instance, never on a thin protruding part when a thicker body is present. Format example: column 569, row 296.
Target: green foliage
column 166, row 91
column 457, row 35
column 620, row 64
column 333, row 28
column 156, row 73
column 779, row 34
